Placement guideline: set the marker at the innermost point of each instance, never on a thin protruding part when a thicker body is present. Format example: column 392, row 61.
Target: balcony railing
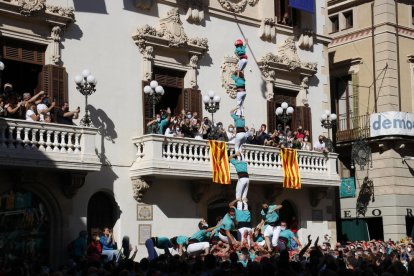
column 354, row 128
column 47, row 145
column 162, row 156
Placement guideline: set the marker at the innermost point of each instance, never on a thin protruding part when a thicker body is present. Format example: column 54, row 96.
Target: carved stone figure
column 28, row 7
column 171, row 28
column 139, row 187
column 228, row 67
column 267, row 29
column 56, row 35
column 195, row 12
column 305, row 41
column 148, row 58
column 62, row 11
column 236, row 6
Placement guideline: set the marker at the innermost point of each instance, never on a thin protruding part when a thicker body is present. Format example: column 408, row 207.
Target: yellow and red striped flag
column 290, row 168
column 219, row 162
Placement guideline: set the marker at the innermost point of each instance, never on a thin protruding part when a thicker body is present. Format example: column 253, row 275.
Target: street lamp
column 85, row 84
column 155, row 92
column 1, row 72
column 328, row 120
column 211, row 103
column 284, row 114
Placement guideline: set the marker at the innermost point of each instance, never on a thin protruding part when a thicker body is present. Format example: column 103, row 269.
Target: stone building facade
column 147, row 185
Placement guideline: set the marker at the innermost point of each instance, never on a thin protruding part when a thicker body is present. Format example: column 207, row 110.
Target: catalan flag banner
column 219, row 162
column 290, row 169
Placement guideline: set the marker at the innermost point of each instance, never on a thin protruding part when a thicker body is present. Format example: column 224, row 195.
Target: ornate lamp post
column 284, row 114
column 211, row 103
column 85, row 84
column 155, row 92
column 328, row 120
column 1, row 72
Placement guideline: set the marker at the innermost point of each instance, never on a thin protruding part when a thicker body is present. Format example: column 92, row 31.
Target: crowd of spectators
column 189, row 125
column 37, row 107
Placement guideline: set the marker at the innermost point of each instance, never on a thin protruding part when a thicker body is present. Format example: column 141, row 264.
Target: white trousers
column 240, row 234
column 273, row 232
column 198, row 247
column 240, row 97
column 223, row 238
column 239, row 140
column 242, row 188
column 241, row 64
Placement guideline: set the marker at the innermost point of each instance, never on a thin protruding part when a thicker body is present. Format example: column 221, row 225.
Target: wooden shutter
column 22, row 51
column 53, row 80
column 168, row 77
column 271, row 116
column 303, row 118
column 146, row 108
column 191, row 101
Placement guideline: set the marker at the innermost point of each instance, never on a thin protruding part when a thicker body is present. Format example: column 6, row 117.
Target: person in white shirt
column 231, row 134
column 43, row 109
column 170, row 131
column 31, row 113
column 320, row 144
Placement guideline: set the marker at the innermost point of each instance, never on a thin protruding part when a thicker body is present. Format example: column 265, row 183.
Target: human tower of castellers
column 269, row 235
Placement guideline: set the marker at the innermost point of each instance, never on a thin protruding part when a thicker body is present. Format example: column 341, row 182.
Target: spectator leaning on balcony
column 187, row 129
column 320, row 144
column 160, row 123
column 2, row 106
column 44, row 108
column 28, row 99
column 64, row 116
column 300, row 133
column 231, row 134
column 306, row 145
column 261, row 135
column 13, row 107
column 31, row 114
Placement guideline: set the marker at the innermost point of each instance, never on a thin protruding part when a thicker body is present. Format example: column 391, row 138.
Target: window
column 286, row 15
column 412, row 15
column 349, row 19
column 334, row 23
column 176, row 97
column 342, row 89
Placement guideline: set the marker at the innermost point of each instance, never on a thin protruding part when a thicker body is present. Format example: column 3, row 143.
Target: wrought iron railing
column 353, row 128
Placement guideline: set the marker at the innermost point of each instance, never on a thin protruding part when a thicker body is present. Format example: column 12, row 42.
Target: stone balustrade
column 48, row 145
column 190, row 158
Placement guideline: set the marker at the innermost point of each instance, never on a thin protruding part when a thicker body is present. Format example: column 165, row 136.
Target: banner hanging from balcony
column 304, row 5
column 391, row 123
column 347, row 188
column 290, row 169
column 219, row 162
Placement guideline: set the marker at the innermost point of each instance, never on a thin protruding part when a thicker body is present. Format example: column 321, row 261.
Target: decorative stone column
column 270, row 83
column 139, row 188
column 303, row 92
column 56, row 36
column 267, row 29
column 193, row 71
column 148, row 59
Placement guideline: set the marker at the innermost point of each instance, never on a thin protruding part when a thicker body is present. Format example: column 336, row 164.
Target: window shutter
column 192, row 101
column 271, row 116
column 303, row 118
column 53, row 80
column 23, row 52
column 168, row 77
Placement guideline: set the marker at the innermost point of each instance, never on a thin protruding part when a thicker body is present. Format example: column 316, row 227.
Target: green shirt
column 240, row 166
column 243, row 215
column 288, row 235
column 239, row 82
column 182, row 240
column 162, row 126
column 238, row 121
column 163, row 242
column 271, row 216
column 200, row 235
column 227, row 223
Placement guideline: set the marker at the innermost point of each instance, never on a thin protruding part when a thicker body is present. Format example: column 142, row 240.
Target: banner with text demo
column 304, row 5
column 290, row 168
column 392, row 123
column 219, row 162
column 347, row 188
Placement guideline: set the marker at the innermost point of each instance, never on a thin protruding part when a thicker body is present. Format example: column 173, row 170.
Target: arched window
column 289, row 215
column 102, row 212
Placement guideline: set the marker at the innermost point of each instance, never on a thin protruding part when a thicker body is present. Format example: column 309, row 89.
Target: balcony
column 185, row 158
column 351, row 129
column 47, row 145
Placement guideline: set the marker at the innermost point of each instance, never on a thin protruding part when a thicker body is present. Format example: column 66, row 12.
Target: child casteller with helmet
column 240, row 52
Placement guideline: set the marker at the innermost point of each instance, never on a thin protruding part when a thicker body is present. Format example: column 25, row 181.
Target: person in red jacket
column 94, row 251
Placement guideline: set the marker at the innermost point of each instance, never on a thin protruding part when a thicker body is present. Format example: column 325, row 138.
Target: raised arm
column 35, row 97
column 233, row 203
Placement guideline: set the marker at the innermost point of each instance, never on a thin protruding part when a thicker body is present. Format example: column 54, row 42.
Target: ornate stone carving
column 144, row 4
column 267, row 29
column 56, row 35
column 286, row 60
column 71, row 184
column 195, row 12
column 66, row 12
column 28, row 7
column 236, row 6
column 170, row 29
column 170, row 34
column 139, row 187
column 228, row 67
column 305, row 41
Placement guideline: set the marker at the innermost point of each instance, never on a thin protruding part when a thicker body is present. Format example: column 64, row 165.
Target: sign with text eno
column 392, row 123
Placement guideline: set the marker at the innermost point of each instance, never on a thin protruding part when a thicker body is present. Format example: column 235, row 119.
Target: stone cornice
column 38, row 10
